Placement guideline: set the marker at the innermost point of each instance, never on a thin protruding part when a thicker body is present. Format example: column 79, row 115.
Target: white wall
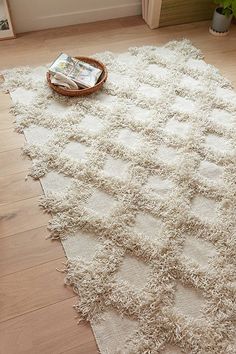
column 31, row 15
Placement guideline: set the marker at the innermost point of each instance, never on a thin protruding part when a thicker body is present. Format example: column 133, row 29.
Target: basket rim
column 82, row 90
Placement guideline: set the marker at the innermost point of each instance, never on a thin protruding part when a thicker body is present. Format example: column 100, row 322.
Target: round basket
column 82, row 91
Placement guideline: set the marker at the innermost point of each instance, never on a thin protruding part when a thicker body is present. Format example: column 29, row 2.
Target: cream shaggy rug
column 140, row 180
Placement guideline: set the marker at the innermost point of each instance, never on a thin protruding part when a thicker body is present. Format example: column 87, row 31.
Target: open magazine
column 82, row 74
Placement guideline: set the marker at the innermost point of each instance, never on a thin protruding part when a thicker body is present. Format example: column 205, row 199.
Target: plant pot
column 221, row 23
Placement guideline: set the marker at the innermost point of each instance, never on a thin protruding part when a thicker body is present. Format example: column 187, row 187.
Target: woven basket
column 82, row 91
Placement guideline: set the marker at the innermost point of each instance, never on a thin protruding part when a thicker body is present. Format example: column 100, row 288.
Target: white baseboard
column 34, row 23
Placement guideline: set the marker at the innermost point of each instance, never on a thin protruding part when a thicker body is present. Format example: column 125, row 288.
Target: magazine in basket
column 83, row 74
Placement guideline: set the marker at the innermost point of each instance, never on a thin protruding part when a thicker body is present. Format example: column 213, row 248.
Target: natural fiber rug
column 140, row 180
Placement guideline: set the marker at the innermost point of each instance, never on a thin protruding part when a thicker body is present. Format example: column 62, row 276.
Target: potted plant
column 222, row 17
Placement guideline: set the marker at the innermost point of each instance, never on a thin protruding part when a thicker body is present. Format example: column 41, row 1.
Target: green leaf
column 226, row 3
column 234, row 7
column 227, row 11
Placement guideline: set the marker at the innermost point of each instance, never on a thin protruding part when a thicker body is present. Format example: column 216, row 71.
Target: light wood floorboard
column 12, row 161
column 36, row 309
column 50, row 330
column 27, row 249
column 31, row 289
column 10, row 140
column 21, row 216
column 17, row 187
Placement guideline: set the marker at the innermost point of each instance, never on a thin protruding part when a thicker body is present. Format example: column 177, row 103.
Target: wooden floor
column 36, row 314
